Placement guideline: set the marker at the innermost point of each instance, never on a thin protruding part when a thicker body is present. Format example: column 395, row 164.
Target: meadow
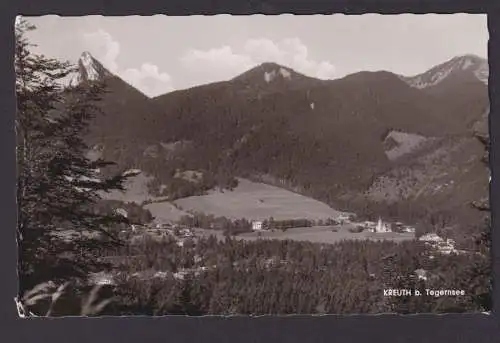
column 315, row 234
column 257, row 201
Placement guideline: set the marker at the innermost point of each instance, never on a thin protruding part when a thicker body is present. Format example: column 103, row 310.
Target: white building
column 382, row 227
column 257, row 226
column 180, row 275
column 122, row 212
column 344, row 219
column 421, row 274
column 101, row 278
column 161, row 275
column 131, row 172
column 408, row 229
column 431, row 238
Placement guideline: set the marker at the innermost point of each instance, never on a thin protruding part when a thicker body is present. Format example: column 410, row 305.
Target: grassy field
column 250, row 200
column 315, row 234
column 257, row 201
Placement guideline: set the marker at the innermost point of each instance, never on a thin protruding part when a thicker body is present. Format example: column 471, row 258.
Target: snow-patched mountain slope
column 271, row 77
column 475, row 65
column 89, row 69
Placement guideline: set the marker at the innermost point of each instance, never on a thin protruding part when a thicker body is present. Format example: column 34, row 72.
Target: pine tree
column 57, row 186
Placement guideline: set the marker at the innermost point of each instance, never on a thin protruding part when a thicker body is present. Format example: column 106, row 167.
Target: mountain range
column 375, row 143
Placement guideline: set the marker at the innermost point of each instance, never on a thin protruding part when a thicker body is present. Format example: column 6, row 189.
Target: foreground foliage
column 57, row 185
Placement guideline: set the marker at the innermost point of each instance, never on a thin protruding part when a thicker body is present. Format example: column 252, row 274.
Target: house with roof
column 257, row 225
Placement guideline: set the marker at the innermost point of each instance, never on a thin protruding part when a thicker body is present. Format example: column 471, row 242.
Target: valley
column 255, row 202
column 374, row 144
column 270, row 192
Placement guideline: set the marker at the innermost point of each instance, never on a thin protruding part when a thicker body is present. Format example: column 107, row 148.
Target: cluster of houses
column 160, row 232
column 443, row 246
column 381, row 227
column 180, row 233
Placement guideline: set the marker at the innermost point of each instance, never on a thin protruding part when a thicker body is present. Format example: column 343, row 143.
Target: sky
column 158, row 54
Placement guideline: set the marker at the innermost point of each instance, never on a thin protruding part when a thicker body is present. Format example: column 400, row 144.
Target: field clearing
column 315, row 234
column 258, row 201
column 137, row 192
column 250, row 200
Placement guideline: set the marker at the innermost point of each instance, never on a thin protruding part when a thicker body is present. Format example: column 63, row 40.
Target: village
column 347, row 219
column 344, row 221
column 343, row 227
column 182, row 234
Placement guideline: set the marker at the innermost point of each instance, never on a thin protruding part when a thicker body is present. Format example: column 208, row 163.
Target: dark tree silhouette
column 57, row 185
column 480, row 270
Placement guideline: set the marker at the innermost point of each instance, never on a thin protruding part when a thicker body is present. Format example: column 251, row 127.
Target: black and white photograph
column 252, row 165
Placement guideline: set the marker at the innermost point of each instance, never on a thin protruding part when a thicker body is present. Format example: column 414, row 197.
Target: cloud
column 222, row 56
column 216, row 64
column 290, row 52
column 225, row 63
column 148, row 78
column 264, row 50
